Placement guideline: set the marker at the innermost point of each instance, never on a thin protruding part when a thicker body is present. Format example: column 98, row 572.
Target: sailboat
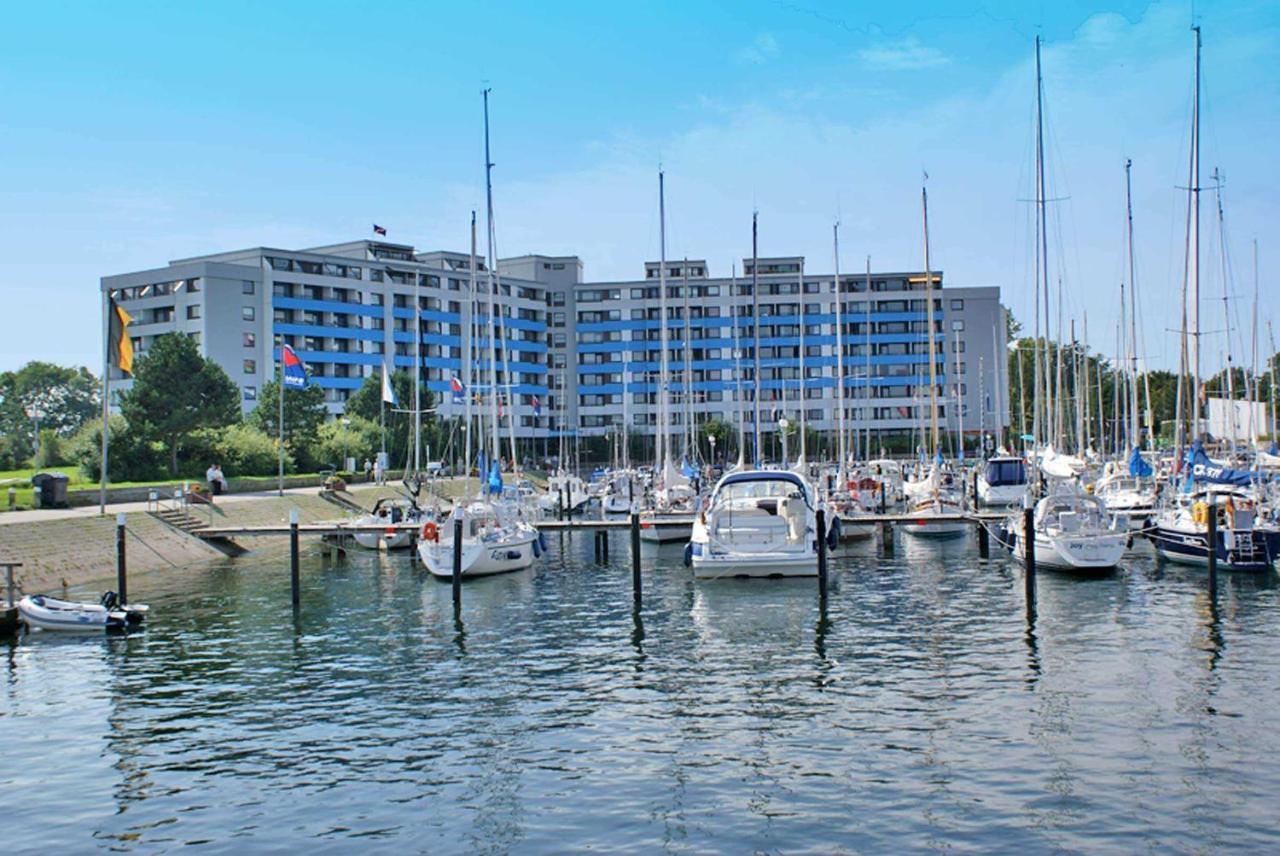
column 496, row 537
column 1071, row 529
column 669, row 519
column 936, row 499
column 1180, row 530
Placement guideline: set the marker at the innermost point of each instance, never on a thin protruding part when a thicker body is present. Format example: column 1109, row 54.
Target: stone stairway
column 179, row 519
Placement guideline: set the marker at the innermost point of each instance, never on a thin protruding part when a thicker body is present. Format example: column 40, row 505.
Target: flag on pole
column 379, row 230
column 119, row 345
column 457, row 389
column 295, row 373
column 388, row 392
column 537, row 407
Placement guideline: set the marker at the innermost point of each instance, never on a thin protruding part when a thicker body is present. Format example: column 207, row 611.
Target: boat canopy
column 1138, row 465
column 766, row 475
column 1004, row 472
column 1200, row 468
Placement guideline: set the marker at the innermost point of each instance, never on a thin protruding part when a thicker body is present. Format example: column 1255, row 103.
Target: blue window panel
column 327, row 332
column 326, row 306
column 339, row 357
column 338, row 382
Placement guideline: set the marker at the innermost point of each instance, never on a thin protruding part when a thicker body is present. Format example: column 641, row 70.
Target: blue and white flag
column 388, row 392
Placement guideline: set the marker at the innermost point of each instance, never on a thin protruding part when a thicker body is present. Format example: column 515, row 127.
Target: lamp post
column 35, row 414
column 346, row 425
column 783, row 424
column 711, row 438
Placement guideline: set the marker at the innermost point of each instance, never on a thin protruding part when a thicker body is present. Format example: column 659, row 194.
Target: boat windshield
column 762, row 489
column 1001, row 473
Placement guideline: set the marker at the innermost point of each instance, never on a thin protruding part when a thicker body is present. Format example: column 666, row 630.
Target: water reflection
column 924, row 706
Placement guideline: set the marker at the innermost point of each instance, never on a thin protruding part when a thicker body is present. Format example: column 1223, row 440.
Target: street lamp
column 346, row 424
column 35, row 414
column 711, row 438
column 782, row 432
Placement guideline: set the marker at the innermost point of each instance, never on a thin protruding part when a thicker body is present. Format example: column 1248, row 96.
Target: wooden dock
column 340, row 529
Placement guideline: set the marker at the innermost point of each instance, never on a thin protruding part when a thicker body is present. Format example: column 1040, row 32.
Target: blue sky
column 133, row 133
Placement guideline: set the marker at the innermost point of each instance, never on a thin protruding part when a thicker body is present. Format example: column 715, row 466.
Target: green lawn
column 20, row 480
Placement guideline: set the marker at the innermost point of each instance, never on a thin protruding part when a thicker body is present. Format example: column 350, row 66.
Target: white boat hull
column 373, row 541
column 762, row 565
column 1084, row 553
column 47, row 613
column 481, row 556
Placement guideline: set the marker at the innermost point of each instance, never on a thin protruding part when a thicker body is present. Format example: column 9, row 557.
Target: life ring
column 430, row 532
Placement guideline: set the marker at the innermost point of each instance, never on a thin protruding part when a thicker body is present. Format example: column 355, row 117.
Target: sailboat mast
column 664, row 371
column 417, row 374
column 1195, row 247
column 496, row 437
column 866, row 384
column 804, row 424
column 737, row 371
column 1041, row 393
column 1226, row 310
column 1253, row 357
column 468, row 306
column 755, row 327
column 841, row 450
column 1132, row 337
column 933, row 345
column 690, row 437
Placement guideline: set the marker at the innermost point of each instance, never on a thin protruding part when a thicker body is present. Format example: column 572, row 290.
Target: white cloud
column 904, row 55
column 763, row 48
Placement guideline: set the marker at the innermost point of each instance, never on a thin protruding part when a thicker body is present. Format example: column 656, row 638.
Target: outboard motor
column 109, row 600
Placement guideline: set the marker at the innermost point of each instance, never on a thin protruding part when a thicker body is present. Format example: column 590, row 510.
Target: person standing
column 368, row 469
column 378, row 472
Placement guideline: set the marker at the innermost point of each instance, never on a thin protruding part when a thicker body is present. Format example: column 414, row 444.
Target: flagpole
column 382, row 410
column 280, row 446
column 106, row 401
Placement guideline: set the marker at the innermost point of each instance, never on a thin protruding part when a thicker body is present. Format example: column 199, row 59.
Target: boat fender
column 688, row 555
column 537, row 546
column 542, row 540
column 833, row 533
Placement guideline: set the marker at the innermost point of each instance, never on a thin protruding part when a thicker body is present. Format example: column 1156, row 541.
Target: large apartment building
column 346, row 309
column 590, row 352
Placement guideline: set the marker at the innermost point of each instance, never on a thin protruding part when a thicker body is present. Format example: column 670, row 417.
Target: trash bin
column 53, row 489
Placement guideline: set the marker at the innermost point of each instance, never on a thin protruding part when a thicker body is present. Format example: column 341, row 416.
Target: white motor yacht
column 760, row 523
column 388, row 512
column 1003, row 482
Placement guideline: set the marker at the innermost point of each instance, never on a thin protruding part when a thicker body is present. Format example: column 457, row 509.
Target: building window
column 957, row 325
column 957, row 304
column 250, row 366
column 193, row 312
column 247, row 313
column 246, row 286
column 250, row 393
column 250, row 340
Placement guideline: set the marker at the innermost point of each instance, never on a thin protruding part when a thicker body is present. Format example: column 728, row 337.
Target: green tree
column 349, row 435
column 66, row 398
column 366, row 403
column 177, row 392
column 304, row 413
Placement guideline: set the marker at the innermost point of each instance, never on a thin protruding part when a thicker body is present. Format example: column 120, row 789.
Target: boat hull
column 940, row 530
column 480, row 557
column 1253, row 551
column 761, row 565
column 1082, row 554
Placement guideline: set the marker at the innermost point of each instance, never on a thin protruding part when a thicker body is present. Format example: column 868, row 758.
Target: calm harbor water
column 923, row 712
